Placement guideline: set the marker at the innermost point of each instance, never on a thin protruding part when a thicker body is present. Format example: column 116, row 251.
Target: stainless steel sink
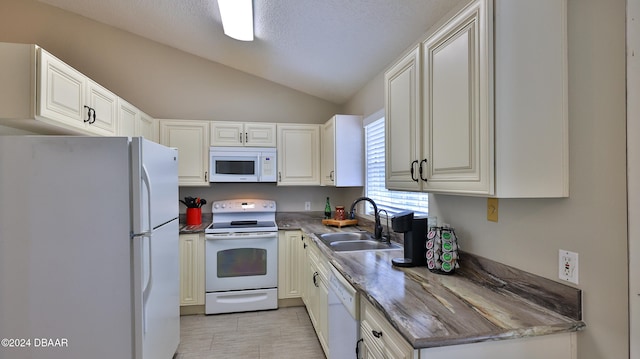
column 354, row 241
column 343, row 236
column 362, row 245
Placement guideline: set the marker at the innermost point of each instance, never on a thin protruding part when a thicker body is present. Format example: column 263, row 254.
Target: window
column 392, row 201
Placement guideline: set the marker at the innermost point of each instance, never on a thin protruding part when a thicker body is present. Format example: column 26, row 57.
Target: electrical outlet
column 307, row 206
column 568, row 266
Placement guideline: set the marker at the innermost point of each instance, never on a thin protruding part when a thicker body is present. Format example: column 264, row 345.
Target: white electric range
column 241, row 256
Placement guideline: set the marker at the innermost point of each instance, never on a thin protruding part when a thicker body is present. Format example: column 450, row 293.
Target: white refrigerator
column 89, row 262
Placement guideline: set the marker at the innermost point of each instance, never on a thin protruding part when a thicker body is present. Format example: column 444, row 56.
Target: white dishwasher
column 343, row 317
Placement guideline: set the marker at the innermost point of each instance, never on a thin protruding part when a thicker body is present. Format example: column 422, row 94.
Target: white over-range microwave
column 242, row 164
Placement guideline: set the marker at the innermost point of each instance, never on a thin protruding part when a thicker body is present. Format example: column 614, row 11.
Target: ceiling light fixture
column 237, row 18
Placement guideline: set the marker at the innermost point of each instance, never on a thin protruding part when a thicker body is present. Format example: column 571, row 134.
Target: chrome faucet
column 377, row 228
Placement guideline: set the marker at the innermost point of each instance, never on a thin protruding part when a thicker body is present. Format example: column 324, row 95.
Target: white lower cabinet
column 380, row 340
column 317, row 293
column 192, row 271
column 290, row 253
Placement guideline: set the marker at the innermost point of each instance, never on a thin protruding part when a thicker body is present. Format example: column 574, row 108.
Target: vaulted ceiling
column 326, row 48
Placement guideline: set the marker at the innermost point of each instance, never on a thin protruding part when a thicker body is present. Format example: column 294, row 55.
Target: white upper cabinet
column 403, row 123
column 493, row 108
column 104, row 104
column 343, row 151
column 147, row 127
column 129, row 116
column 61, row 91
column 191, row 138
column 457, row 131
column 248, row 134
column 298, row 155
column 134, row 122
column 40, row 93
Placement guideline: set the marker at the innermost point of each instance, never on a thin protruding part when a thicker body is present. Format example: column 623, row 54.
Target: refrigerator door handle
column 145, row 179
column 146, row 237
column 146, row 289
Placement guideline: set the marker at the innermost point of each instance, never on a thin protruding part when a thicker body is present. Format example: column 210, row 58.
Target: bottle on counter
column 327, row 210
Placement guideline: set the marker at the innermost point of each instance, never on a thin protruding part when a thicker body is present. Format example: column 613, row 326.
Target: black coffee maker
column 415, row 234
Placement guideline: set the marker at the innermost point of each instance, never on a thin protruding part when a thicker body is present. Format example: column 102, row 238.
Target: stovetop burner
column 243, row 215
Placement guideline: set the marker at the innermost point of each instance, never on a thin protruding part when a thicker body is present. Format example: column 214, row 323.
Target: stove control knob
column 224, row 205
column 215, row 206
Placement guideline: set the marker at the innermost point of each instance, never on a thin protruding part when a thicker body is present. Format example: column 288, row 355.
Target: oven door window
column 235, row 167
column 242, row 262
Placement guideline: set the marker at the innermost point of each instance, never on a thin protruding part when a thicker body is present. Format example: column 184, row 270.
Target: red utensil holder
column 194, row 216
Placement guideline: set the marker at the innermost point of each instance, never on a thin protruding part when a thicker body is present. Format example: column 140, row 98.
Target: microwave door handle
column 259, row 168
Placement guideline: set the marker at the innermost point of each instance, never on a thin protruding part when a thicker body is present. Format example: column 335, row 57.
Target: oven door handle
column 257, row 235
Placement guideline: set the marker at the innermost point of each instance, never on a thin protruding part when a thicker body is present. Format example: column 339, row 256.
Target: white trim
column 633, row 172
column 373, row 117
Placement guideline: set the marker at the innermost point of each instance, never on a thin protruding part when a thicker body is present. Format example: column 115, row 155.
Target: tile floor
column 283, row 333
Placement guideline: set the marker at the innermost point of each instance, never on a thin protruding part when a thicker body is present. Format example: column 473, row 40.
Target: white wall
column 288, row 199
column 592, row 221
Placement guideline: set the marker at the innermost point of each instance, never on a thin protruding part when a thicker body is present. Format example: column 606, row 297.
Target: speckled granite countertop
column 484, row 300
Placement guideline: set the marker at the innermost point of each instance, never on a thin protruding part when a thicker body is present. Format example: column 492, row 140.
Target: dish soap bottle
column 327, row 210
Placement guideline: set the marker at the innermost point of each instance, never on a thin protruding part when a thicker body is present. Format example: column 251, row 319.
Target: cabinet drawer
column 380, row 336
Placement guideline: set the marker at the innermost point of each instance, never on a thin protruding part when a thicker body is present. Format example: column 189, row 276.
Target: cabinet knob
column 376, row 334
column 315, row 279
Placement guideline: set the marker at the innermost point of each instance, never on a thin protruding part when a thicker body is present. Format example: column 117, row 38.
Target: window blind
column 392, row 201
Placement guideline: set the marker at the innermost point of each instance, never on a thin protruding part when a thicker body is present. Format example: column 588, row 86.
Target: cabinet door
column 260, row 134
column 289, row 269
column 305, row 270
column 191, row 269
column 191, row 138
column 457, row 117
column 402, row 116
column 227, row 134
column 105, row 105
column 61, row 92
column 298, row 154
column 317, row 298
column 328, row 152
column 145, row 127
column 129, row 115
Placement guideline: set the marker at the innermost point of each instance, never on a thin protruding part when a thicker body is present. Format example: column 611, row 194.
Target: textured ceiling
column 326, row 48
